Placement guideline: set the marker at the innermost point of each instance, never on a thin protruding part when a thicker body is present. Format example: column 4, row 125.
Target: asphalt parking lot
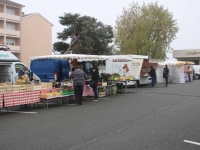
column 159, row 118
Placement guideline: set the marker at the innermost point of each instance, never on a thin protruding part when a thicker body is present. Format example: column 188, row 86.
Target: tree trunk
column 73, row 43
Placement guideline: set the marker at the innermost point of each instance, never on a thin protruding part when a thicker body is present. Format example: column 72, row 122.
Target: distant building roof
column 29, row 15
column 11, row 3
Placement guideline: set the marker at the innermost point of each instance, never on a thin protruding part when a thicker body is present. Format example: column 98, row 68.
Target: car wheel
column 196, row 76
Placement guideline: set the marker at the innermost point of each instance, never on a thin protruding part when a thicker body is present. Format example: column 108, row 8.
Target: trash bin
column 120, row 88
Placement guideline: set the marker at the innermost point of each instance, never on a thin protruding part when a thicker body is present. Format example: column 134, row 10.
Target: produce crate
column 65, row 92
column 102, row 94
column 9, row 88
column 104, row 83
column 46, row 95
column 29, row 87
column 46, row 85
column 22, row 88
column 37, row 87
column 2, row 89
column 16, row 88
column 70, row 91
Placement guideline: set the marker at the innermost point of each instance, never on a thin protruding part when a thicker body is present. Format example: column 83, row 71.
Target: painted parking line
column 23, row 112
column 191, row 142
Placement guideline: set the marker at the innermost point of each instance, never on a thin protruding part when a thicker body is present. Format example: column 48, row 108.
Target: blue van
column 55, row 69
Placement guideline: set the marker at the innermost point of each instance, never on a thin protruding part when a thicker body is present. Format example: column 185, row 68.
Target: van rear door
column 5, row 73
column 65, row 67
column 44, row 69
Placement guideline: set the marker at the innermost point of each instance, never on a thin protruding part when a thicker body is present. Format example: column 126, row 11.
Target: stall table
column 21, row 98
column 126, row 85
column 58, row 98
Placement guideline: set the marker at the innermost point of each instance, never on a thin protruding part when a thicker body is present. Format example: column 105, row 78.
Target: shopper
column 95, row 78
column 189, row 71
column 78, row 77
column 166, row 75
column 153, row 76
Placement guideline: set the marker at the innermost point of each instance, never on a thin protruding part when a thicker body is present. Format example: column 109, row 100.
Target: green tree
column 145, row 30
column 60, row 47
column 86, row 34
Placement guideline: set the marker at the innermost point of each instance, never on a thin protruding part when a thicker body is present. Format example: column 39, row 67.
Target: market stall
column 78, row 59
column 176, row 71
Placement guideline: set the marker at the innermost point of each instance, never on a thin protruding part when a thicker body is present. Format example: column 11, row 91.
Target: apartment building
column 10, row 25
column 36, row 37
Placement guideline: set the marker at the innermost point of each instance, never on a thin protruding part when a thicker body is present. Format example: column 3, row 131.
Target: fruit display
column 50, row 95
column 117, row 77
column 114, row 77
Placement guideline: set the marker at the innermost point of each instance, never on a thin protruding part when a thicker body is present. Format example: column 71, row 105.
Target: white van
column 10, row 66
column 196, row 70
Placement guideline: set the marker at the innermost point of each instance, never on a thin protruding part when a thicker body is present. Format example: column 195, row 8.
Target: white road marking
column 23, row 112
column 104, row 98
column 195, row 143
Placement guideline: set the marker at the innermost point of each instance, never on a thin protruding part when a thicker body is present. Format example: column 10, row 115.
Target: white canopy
column 178, row 63
column 130, row 57
column 79, row 57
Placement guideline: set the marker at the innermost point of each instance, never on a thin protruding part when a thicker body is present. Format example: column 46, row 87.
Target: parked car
column 196, row 70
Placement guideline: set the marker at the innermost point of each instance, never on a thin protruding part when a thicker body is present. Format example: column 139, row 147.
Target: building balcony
column 14, row 49
column 10, row 33
column 11, row 18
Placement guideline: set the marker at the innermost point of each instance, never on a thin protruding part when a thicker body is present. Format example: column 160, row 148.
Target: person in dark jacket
column 95, row 79
column 78, row 77
column 22, row 72
column 166, row 74
column 153, row 76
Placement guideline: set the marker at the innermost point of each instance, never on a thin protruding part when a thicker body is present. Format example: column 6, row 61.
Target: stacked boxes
column 46, row 85
column 16, row 88
column 22, row 88
column 9, row 89
column 29, row 87
column 37, row 87
column 2, row 89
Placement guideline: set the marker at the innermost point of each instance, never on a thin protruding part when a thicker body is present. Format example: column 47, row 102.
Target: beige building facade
column 36, row 37
column 188, row 55
column 10, row 25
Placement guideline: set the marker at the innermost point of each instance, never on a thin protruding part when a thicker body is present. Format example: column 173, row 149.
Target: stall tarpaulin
column 136, row 67
column 78, row 57
column 176, row 71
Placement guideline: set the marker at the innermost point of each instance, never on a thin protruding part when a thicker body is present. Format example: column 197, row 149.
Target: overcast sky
column 187, row 13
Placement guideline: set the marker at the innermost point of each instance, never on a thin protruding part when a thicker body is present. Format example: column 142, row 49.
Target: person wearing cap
column 22, row 72
column 95, row 78
column 166, row 74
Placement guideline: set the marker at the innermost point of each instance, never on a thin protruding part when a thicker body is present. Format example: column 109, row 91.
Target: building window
column 10, row 26
column 10, row 11
column 10, row 42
